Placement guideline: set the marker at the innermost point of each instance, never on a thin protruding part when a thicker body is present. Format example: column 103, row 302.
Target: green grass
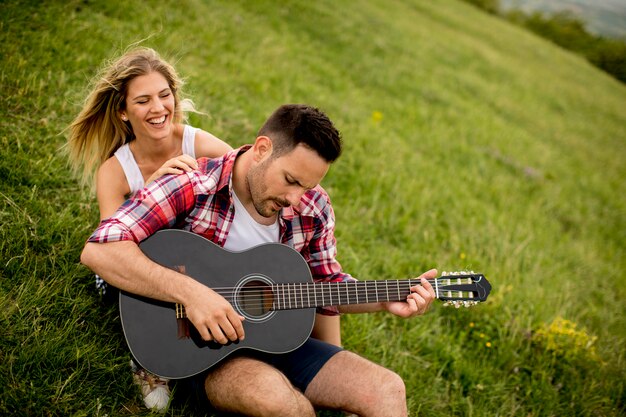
column 469, row 144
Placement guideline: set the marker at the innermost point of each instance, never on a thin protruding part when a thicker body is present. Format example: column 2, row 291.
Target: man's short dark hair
column 294, row 124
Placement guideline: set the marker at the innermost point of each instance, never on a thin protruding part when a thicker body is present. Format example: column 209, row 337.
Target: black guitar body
column 151, row 328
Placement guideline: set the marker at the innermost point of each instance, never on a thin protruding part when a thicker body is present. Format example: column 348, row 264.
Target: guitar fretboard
column 320, row 294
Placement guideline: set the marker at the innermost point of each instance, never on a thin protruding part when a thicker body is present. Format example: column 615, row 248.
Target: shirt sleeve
column 160, row 205
column 322, row 256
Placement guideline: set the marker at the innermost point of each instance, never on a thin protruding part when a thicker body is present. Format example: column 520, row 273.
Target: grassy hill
column 470, row 144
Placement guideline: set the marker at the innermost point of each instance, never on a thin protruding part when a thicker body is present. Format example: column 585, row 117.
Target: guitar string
column 273, row 305
column 359, row 286
column 334, row 283
column 353, row 288
column 295, row 293
column 335, row 292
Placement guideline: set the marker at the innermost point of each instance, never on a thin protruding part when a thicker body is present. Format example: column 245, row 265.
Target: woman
column 135, row 106
column 131, row 132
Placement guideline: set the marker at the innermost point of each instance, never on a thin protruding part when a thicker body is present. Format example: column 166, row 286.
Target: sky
column 602, row 17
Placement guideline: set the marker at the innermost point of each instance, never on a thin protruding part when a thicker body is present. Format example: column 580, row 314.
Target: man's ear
column 262, row 148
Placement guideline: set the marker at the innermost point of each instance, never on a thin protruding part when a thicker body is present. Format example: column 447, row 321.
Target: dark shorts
column 300, row 366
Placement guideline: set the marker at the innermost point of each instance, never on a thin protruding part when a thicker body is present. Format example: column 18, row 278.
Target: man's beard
column 257, row 189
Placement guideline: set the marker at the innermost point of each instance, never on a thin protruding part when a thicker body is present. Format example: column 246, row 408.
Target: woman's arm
column 210, row 146
column 205, row 145
column 111, row 187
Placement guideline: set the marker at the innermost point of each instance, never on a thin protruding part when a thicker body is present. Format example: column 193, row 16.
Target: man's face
column 275, row 183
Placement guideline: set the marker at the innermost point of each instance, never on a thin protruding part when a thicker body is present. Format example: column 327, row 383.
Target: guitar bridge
column 181, row 315
column 182, row 322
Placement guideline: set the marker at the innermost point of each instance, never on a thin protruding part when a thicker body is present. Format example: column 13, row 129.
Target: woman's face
column 150, row 106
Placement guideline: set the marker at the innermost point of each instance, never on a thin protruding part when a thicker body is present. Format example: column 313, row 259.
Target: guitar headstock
column 462, row 288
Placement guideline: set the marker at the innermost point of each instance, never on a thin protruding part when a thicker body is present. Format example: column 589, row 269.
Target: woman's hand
column 177, row 165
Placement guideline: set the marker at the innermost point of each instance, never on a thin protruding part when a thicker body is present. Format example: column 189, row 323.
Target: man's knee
column 394, row 385
column 387, row 390
column 287, row 404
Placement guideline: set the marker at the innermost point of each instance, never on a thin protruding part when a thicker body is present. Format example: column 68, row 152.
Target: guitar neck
column 321, row 294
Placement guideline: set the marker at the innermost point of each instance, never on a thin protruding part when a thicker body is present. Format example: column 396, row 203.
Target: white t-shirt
column 245, row 232
column 133, row 174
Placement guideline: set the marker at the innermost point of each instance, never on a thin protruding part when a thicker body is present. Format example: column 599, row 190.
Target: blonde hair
column 97, row 132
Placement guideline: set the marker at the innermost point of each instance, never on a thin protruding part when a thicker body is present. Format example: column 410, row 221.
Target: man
column 265, row 192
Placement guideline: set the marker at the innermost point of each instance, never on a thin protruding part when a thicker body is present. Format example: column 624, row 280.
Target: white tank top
column 245, row 232
column 133, row 174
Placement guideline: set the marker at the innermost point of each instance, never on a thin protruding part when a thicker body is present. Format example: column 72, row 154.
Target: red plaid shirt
column 201, row 202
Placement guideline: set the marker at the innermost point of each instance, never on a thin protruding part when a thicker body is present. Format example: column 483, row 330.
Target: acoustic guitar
column 270, row 285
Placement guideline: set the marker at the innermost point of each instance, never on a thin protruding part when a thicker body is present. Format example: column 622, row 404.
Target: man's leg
column 351, row 383
column 253, row 388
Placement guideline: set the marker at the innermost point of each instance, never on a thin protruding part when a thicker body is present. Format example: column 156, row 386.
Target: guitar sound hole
column 255, row 299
